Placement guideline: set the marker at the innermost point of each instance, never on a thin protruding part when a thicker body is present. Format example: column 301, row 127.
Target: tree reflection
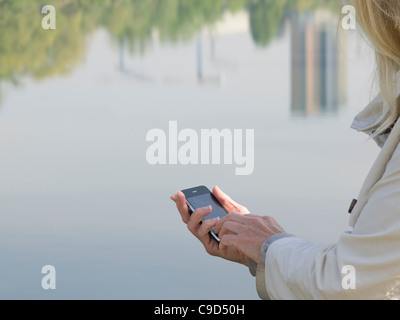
column 28, row 50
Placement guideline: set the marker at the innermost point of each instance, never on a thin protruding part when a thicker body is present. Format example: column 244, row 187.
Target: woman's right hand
column 201, row 231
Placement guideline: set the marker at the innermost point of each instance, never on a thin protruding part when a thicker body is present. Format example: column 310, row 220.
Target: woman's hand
column 201, row 231
column 246, row 233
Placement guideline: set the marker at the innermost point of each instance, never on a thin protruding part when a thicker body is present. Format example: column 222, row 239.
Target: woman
column 287, row 267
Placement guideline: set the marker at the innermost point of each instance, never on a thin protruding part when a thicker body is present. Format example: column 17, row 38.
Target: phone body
column 201, row 196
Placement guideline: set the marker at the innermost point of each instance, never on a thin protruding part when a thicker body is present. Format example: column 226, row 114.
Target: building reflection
column 318, row 63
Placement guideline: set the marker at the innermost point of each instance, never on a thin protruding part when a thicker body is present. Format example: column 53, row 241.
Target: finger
column 182, row 206
column 230, row 227
column 233, row 217
column 236, row 241
column 174, row 197
column 227, row 202
column 229, row 240
column 196, row 217
column 205, row 228
column 223, row 198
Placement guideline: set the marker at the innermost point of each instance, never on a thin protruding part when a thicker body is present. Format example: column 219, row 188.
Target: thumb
column 227, row 202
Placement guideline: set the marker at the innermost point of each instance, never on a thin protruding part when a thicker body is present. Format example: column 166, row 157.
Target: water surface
column 76, row 191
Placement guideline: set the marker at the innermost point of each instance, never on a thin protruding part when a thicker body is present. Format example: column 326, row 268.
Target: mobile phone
column 201, row 196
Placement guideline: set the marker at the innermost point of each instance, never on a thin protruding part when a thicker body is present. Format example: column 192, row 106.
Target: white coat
column 300, row 269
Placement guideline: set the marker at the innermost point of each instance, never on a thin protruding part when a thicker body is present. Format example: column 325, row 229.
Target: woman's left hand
column 246, row 233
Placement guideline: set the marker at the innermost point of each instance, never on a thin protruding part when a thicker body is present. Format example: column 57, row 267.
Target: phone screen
column 204, row 200
column 201, row 197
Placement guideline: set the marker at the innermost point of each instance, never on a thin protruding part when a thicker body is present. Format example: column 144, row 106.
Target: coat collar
column 390, row 145
column 372, row 116
column 366, row 121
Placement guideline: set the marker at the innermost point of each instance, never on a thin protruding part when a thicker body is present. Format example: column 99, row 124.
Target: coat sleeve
column 300, row 269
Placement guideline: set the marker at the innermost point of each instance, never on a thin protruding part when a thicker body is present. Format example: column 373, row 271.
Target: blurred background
column 76, row 103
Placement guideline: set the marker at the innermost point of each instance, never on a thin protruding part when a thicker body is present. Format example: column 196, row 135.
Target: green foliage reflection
column 27, row 49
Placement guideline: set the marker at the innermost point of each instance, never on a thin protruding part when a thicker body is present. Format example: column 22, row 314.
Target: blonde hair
column 380, row 20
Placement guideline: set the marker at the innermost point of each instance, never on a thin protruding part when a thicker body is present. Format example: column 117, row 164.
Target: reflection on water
column 28, row 50
column 76, row 191
column 318, row 63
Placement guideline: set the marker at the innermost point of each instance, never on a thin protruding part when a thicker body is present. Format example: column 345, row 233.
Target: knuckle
column 190, row 226
column 208, row 223
column 269, row 219
column 202, row 231
column 226, row 227
column 221, row 232
column 258, row 223
column 196, row 213
column 231, row 216
column 252, row 218
column 223, row 241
